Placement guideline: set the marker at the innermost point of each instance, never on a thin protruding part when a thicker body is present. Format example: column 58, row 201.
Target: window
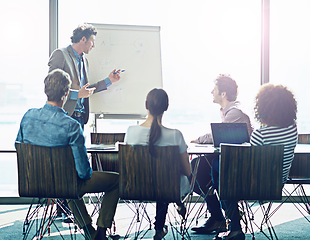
column 24, row 56
column 200, row 40
column 289, row 53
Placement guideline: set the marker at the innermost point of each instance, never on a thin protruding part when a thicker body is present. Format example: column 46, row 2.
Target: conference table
column 300, row 166
column 193, row 149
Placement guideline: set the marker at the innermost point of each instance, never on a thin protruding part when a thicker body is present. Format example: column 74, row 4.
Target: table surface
column 193, row 148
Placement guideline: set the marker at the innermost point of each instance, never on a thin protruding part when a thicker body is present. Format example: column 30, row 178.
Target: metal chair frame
column 252, row 173
column 46, row 174
column 143, row 179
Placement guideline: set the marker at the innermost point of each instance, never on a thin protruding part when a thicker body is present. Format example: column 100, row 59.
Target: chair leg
column 247, row 217
column 32, row 217
column 41, row 217
column 304, row 206
column 266, row 221
column 137, row 225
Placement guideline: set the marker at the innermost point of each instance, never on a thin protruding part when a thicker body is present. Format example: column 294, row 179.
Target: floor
column 288, row 223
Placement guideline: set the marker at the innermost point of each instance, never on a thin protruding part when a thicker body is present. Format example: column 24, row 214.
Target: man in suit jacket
column 72, row 60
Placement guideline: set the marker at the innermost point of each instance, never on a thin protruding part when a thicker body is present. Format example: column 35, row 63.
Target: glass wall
column 24, row 56
column 289, row 53
column 199, row 40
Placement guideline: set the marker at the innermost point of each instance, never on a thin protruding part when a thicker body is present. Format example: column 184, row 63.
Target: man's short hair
column 56, row 85
column 85, row 30
column 226, row 84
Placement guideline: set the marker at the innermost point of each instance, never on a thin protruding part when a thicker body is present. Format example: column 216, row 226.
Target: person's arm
column 77, row 143
column 114, row 76
column 101, row 85
column 57, row 61
column 256, row 138
column 207, row 138
column 185, row 165
column 85, row 91
column 105, row 83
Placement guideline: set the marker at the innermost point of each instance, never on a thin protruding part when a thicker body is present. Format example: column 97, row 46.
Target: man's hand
column 85, row 92
column 114, row 75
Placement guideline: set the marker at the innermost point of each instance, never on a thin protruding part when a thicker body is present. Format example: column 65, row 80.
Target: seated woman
column 151, row 133
column 276, row 110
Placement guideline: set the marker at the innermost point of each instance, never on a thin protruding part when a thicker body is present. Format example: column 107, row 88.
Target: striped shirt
column 274, row 136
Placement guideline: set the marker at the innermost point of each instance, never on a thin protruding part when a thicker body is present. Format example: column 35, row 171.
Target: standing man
column 50, row 126
column 225, row 94
column 72, row 60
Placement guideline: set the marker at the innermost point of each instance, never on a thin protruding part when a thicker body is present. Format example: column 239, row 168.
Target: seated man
column 225, row 94
column 50, row 126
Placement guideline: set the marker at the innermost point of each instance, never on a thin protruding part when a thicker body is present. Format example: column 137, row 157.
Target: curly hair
column 56, row 85
column 275, row 105
column 85, row 30
column 226, row 84
column 156, row 102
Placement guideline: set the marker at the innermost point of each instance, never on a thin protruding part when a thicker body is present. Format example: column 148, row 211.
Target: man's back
column 50, row 126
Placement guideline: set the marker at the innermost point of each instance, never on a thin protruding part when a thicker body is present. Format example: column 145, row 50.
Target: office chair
column 45, row 174
column 299, row 177
column 145, row 179
column 252, row 173
column 105, row 162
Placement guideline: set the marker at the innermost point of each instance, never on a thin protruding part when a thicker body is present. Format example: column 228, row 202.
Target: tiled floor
column 289, row 223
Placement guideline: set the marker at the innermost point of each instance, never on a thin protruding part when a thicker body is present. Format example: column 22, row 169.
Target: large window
column 24, row 56
column 199, row 39
column 289, row 53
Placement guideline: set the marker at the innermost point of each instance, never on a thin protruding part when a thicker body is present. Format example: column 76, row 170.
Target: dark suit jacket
column 64, row 58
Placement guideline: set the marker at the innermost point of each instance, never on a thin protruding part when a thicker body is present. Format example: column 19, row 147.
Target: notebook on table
column 231, row 133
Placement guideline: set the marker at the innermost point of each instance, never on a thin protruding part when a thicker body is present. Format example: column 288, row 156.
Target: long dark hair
column 156, row 102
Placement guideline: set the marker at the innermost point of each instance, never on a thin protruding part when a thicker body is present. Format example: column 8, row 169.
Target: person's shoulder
column 133, row 127
column 60, row 52
column 70, row 119
column 263, row 130
column 32, row 111
column 236, row 108
column 172, row 130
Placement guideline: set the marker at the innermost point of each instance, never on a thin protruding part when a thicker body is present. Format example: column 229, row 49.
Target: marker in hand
column 119, row 71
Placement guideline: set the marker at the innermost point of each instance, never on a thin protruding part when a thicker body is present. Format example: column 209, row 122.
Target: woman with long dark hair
column 153, row 133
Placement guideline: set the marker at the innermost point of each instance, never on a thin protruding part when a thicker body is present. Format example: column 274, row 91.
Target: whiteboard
column 136, row 49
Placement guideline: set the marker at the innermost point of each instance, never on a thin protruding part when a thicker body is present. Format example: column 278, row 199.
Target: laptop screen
column 233, row 133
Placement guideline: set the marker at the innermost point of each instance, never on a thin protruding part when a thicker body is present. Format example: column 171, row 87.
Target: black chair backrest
column 143, row 177
column 107, row 138
column 46, row 172
column 300, row 168
column 251, row 172
column 105, row 162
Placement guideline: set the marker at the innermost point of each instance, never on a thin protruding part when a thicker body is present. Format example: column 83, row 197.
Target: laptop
column 231, row 133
